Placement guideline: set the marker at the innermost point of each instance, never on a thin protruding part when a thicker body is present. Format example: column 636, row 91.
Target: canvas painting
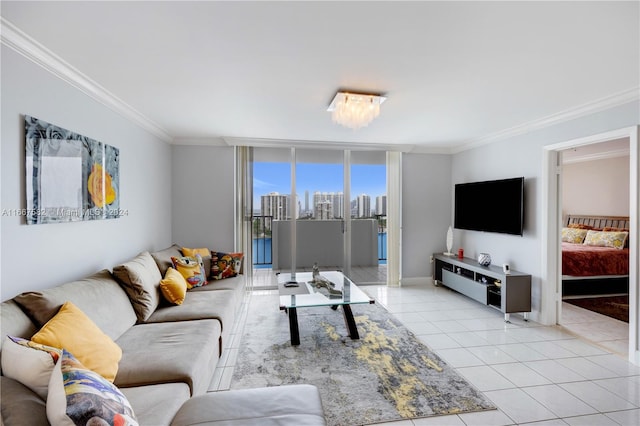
column 69, row 177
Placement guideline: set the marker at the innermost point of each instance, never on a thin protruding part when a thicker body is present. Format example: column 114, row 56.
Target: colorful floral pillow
column 192, row 269
column 573, row 235
column 80, row 397
column 606, row 239
column 29, row 363
column 225, row 265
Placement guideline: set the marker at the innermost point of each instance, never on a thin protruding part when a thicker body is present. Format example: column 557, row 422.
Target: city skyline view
column 270, row 177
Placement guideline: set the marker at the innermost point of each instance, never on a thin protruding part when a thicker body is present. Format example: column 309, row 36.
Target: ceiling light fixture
column 355, row 110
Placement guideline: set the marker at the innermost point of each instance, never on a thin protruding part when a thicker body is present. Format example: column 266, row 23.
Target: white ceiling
column 455, row 73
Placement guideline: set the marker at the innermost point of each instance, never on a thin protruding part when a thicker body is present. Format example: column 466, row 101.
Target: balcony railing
column 263, row 248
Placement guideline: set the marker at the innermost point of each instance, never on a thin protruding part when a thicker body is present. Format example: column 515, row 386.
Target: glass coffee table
column 307, row 294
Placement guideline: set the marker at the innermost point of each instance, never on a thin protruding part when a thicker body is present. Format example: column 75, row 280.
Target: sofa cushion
column 14, row 322
column 219, row 305
column 140, row 278
column 71, row 329
column 20, row 405
column 99, row 296
column 79, row 396
column 170, row 352
column 163, row 257
column 297, row 405
column 37, row 306
column 173, row 287
column 29, row 363
column 157, row 404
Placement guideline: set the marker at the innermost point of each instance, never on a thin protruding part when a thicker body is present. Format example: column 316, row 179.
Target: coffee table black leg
column 350, row 322
column 293, row 326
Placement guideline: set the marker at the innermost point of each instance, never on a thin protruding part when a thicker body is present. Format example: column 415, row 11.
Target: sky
column 367, row 179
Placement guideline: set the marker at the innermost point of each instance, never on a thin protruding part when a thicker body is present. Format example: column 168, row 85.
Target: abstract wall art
column 69, row 177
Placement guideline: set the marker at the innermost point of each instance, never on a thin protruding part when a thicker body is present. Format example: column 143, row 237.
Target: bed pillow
column 71, row 329
column 225, row 265
column 79, row 396
column 606, row 239
column 573, row 235
column 614, row 229
column 29, row 363
column 580, row 226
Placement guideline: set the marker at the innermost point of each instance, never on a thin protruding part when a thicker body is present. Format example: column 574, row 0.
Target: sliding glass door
column 336, row 202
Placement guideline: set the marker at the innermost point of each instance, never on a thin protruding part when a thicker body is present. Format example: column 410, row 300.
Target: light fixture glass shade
column 355, row 110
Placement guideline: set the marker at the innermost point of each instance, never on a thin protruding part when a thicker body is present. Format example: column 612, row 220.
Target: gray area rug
column 387, row 375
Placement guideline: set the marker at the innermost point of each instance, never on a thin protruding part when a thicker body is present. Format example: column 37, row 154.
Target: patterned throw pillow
column 80, row 397
column 606, row 239
column 225, row 265
column 192, row 269
column 29, row 363
column 613, row 229
column 573, row 235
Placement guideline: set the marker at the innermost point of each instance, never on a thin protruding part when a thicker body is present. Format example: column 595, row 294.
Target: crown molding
column 620, row 98
column 14, row 38
column 289, row 143
column 211, row 141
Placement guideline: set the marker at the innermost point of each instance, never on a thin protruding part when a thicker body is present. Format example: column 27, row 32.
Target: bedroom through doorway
column 594, row 202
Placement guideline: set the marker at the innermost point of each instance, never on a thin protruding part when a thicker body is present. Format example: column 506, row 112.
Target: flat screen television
column 490, row 206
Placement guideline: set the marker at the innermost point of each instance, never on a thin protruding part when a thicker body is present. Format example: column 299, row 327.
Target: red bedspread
column 584, row 261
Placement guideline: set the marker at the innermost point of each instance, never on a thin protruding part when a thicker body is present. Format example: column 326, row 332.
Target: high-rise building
column 381, row 205
column 306, row 201
column 323, row 210
column 337, row 200
column 363, row 204
column 276, row 205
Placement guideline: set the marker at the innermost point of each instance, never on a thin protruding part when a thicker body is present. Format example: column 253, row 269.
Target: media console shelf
column 489, row 285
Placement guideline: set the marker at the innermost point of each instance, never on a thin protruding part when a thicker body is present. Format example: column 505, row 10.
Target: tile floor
column 535, row 374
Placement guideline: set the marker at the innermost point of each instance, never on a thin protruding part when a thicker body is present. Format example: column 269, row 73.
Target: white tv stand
column 467, row 276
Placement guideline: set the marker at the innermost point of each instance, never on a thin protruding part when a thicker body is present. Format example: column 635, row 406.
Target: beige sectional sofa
column 169, row 352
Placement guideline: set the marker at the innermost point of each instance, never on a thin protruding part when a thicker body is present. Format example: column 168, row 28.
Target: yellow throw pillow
column 191, row 252
column 72, row 330
column 174, row 287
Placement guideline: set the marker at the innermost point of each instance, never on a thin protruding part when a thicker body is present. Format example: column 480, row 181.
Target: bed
column 591, row 269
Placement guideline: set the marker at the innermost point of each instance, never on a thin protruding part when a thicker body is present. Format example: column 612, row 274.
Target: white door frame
column 552, row 222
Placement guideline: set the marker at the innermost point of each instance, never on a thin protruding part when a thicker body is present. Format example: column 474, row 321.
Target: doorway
column 553, row 222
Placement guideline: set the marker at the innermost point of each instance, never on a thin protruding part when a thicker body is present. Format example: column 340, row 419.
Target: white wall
column 522, row 156
column 599, row 187
column 203, row 196
column 426, row 210
column 40, row 256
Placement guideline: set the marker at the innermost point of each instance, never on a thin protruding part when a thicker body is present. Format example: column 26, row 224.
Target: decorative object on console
column 355, row 110
column 506, row 268
column 484, row 259
column 449, row 241
column 69, row 177
column 460, row 253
